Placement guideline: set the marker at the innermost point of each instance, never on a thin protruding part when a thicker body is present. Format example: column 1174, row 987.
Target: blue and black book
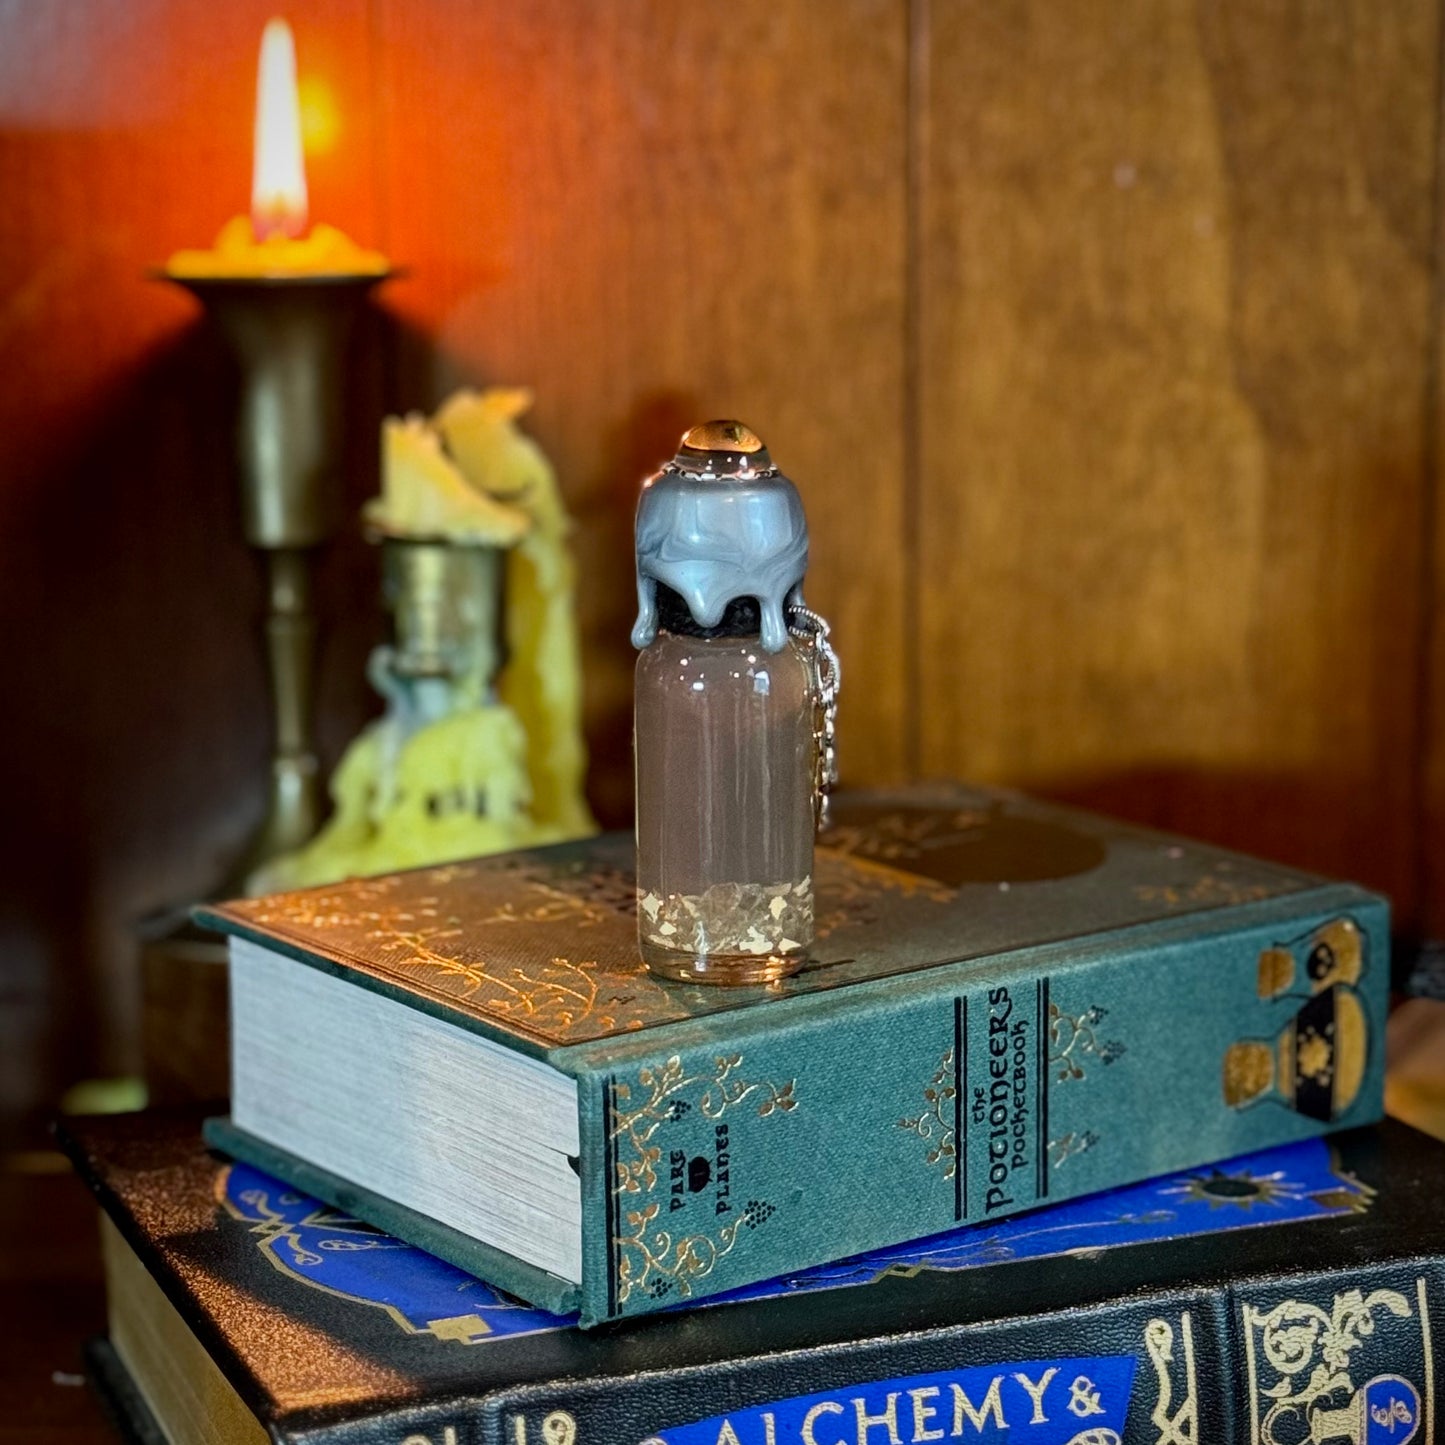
column 1295, row 1295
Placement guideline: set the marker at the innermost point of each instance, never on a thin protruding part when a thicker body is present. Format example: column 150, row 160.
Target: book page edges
column 185, row 1391
column 220, row 921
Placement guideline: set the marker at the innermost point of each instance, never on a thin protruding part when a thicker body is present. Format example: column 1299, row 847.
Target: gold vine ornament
column 650, row 1260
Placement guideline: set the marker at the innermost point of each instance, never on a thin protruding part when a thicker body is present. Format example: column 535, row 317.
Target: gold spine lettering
column 992, row 1405
column 889, row 1417
column 823, row 1407
column 1036, row 1393
column 923, row 1412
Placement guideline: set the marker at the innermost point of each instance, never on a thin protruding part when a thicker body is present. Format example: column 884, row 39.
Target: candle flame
column 278, row 181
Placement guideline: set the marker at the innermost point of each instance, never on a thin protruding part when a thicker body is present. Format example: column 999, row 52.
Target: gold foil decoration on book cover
column 542, row 944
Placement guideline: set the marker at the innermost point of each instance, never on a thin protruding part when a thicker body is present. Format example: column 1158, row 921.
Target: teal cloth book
column 1010, row 1004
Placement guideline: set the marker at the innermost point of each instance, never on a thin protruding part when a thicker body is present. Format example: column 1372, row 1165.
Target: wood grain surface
column 1177, row 347
column 1102, row 340
column 657, row 223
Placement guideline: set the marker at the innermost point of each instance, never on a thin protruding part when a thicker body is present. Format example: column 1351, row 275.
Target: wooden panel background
column 1103, row 340
column 1178, row 341
column 654, row 243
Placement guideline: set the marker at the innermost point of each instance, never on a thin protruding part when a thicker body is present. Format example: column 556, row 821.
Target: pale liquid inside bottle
column 724, row 767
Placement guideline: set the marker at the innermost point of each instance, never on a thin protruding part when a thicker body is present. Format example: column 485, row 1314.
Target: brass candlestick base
column 288, row 335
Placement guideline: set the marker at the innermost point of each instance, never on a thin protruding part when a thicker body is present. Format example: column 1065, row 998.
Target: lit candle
column 273, row 240
column 278, row 177
column 284, row 300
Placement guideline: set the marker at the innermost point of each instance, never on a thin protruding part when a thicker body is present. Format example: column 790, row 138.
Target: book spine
column 728, row 1150
column 1340, row 1356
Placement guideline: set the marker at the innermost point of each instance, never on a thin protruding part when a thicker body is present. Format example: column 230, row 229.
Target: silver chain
column 827, row 676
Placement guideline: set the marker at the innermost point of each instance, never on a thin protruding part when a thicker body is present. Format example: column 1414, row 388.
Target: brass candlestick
column 446, row 601
column 288, row 335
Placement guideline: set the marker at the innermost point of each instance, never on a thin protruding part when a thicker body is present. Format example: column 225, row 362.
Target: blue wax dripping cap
column 720, row 522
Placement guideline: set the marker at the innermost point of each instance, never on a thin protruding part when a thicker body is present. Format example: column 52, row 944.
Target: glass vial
column 724, row 740
column 725, row 718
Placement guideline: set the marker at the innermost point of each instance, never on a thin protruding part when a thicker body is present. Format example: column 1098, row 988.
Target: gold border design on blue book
column 1320, row 1374
column 327, row 1250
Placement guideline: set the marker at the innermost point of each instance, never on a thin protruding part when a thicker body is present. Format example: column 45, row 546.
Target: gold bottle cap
column 722, row 436
column 723, row 448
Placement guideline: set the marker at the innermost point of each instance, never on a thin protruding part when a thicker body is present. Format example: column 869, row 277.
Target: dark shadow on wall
column 137, row 721
column 1307, row 821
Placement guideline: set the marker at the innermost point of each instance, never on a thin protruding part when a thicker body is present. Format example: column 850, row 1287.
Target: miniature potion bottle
column 735, row 700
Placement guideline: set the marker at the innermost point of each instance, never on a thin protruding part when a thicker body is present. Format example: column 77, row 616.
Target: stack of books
column 862, row 1205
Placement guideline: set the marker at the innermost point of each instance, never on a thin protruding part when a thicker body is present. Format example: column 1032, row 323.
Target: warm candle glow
column 320, row 123
column 278, row 184
column 273, row 241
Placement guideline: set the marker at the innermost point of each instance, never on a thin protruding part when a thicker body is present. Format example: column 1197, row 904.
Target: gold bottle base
column 721, row 969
